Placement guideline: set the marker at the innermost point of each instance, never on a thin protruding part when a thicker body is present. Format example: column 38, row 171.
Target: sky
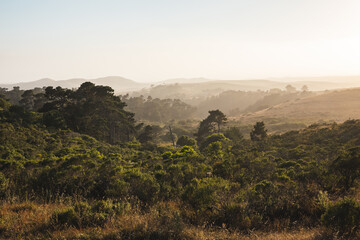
column 155, row 40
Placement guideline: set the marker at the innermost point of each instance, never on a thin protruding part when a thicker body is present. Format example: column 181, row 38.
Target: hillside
column 201, row 88
column 190, row 88
column 119, row 84
column 338, row 105
column 83, row 169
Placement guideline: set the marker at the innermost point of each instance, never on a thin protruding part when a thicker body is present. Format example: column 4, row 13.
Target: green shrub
column 186, row 141
column 108, row 207
column 342, row 216
column 83, row 211
column 65, row 217
column 84, row 215
column 216, row 137
column 206, row 193
column 117, row 188
column 143, row 185
column 234, row 215
column 3, row 185
column 214, row 151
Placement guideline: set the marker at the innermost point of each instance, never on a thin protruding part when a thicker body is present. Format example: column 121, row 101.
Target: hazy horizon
column 288, row 79
column 158, row 40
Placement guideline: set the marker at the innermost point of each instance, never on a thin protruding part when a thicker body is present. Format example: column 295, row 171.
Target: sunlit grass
column 31, row 221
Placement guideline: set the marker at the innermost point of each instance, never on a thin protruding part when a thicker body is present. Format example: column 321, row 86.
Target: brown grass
column 336, row 106
column 31, row 221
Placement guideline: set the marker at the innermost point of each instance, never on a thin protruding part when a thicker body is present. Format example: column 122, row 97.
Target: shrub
column 186, row 141
column 342, row 216
column 234, row 215
column 3, row 185
column 143, row 185
column 83, row 215
column 108, row 207
column 216, row 137
column 185, row 153
column 234, row 134
column 206, row 193
column 65, row 217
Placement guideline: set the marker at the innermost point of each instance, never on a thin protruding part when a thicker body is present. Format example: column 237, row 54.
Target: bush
column 216, row 137
column 234, row 215
column 83, row 215
column 343, row 216
column 234, row 134
column 3, row 185
column 108, row 208
column 143, row 185
column 206, row 193
column 186, row 141
column 65, row 217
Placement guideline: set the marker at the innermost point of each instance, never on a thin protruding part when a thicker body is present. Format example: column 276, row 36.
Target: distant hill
column 119, row 84
column 338, row 105
column 190, row 88
column 201, row 87
column 334, row 79
column 187, row 80
column 323, row 83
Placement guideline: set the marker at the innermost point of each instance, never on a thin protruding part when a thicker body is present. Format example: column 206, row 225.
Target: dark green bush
column 143, row 185
column 3, row 185
column 215, row 137
column 342, row 216
column 108, row 207
column 206, row 193
column 65, row 218
column 84, row 215
column 234, row 215
column 186, row 141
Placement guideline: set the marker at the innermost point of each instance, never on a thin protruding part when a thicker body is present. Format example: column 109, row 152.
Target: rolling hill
column 337, row 105
column 189, row 88
column 119, row 84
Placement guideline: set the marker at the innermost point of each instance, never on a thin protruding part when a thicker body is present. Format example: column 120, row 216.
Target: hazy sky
column 156, row 40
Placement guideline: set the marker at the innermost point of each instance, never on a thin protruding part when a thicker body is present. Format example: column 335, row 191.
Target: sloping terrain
column 192, row 89
column 195, row 87
column 119, row 84
column 338, row 105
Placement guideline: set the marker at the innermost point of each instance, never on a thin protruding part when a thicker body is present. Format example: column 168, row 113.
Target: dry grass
column 336, row 106
column 303, row 234
column 19, row 220
column 31, row 221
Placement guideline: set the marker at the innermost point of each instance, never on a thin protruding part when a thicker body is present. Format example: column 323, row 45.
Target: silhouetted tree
column 208, row 126
column 259, row 132
column 146, row 135
column 218, row 117
column 93, row 110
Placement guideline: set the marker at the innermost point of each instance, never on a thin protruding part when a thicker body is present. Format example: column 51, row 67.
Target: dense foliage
column 158, row 110
column 222, row 180
column 93, row 110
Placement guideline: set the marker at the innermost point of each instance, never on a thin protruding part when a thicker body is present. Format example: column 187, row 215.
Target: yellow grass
column 338, row 106
column 31, row 221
